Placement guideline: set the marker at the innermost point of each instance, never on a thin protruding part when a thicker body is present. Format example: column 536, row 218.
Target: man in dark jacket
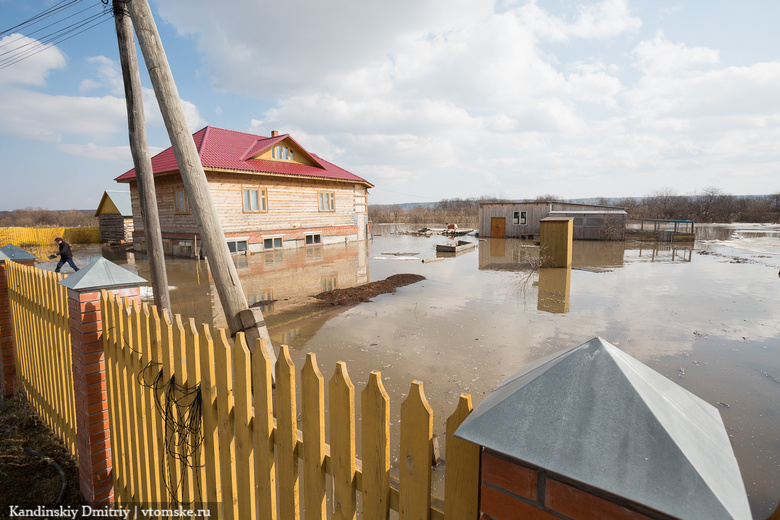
column 65, row 255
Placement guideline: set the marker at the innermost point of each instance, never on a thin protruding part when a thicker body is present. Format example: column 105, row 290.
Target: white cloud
column 32, row 69
column 660, row 57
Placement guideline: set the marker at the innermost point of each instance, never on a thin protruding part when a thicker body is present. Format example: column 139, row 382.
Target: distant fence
column 39, row 308
column 192, row 420
column 44, row 236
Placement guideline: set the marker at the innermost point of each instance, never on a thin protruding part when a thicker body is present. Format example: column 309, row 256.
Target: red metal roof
column 227, row 149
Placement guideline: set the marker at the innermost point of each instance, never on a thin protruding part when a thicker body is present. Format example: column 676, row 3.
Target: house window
column 282, row 152
column 313, row 239
column 327, row 200
column 520, row 218
column 181, row 204
column 237, row 246
column 255, row 201
column 328, row 283
column 272, row 243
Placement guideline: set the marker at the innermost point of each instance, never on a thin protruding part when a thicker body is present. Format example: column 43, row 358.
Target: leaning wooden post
column 141, row 160
column 90, row 387
column 240, row 318
column 7, row 356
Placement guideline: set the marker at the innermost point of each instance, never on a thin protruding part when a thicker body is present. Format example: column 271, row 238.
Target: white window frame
column 520, row 218
column 273, row 240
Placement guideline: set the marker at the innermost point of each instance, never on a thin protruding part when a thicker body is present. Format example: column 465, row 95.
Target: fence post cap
column 101, row 274
column 11, row 252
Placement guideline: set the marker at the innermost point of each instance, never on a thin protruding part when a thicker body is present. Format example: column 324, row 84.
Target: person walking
column 66, row 255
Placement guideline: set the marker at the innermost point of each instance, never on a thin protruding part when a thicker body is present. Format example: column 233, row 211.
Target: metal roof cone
column 101, row 274
column 11, row 252
column 596, row 415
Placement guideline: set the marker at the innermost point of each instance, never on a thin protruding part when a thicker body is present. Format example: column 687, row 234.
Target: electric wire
column 36, row 46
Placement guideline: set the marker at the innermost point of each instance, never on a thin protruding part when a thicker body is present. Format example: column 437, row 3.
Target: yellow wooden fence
column 44, row 236
column 39, row 308
column 194, row 419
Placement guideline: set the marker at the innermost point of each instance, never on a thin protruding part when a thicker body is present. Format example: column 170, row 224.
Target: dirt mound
column 363, row 293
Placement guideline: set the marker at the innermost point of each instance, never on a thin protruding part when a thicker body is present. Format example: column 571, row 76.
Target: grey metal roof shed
column 596, row 415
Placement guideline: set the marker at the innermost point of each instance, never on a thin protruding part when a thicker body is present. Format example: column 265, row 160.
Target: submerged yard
column 705, row 315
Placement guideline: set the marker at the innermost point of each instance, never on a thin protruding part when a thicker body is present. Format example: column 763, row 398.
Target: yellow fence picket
column 375, row 428
column 313, row 426
column 208, row 393
column 416, row 447
column 287, row 436
column 461, row 480
column 265, row 469
column 198, row 473
column 226, row 433
column 245, row 467
column 152, row 424
column 342, row 442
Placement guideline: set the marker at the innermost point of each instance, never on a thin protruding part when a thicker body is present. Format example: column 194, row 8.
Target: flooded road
column 706, row 316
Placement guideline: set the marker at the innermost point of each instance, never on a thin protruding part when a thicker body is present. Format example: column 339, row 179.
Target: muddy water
column 706, row 316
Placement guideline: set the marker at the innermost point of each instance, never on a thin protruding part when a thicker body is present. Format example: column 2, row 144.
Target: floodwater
column 705, row 315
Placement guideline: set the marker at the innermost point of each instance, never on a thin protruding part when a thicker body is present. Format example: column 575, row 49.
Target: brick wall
column 510, row 490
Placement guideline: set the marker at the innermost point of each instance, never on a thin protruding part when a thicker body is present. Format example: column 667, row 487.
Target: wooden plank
column 461, row 479
column 123, row 432
column 143, row 490
column 286, row 436
column 181, row 390
column 265, row 469
column 197, row 472
column 208, row 393
column 313, row 412
column 129, row 424
column 167, row 350
column 245, row 467
column 153, row 422
column 342, row 442
column 375, row 419
column 415, row 457
column 225, row 434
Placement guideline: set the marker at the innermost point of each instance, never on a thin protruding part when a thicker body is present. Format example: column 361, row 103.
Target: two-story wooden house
column 270, row 193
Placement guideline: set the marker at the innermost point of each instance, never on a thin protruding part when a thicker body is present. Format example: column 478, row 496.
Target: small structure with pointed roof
column 270, row 193
column 115, row 216
column 593, row 428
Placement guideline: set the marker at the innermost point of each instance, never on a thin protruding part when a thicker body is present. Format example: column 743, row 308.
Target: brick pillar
column 7, row 357
column 90, row 391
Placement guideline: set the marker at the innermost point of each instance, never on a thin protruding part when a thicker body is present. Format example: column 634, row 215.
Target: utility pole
column 239, row 316
column 141, row 160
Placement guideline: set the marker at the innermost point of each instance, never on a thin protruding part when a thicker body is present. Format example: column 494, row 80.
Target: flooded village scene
column 387, row 290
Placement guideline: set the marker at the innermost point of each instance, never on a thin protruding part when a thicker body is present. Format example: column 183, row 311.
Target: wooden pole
column 237, row 313
column 141, row 160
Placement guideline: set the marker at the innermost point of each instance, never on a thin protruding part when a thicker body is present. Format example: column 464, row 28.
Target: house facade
column 270, row 194
column 522, row 219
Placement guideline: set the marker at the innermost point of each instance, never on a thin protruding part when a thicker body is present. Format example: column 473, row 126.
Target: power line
column 64, row 33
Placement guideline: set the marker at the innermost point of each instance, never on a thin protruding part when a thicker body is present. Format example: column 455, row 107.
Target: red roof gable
column 227, row 149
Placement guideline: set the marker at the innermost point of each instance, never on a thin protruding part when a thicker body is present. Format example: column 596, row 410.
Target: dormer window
column 282, row 152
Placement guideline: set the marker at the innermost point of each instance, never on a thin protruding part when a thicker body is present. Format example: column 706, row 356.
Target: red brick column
column 90, row 392
column 7, row 357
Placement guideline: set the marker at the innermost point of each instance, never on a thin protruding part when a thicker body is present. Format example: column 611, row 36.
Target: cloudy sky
column 426, row 99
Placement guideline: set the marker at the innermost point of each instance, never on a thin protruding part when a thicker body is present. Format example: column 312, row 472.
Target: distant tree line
column 39, row 217
column 711, row 205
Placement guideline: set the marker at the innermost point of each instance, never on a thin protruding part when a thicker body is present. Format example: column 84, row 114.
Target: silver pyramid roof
column 12, row 252
column 594, row 414
column 101, row 274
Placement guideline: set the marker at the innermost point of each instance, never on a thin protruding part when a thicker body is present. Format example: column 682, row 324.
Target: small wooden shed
column 115, row 216
column 522, row 219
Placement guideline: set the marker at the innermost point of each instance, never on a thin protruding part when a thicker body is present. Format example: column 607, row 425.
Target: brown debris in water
column 363, row 293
